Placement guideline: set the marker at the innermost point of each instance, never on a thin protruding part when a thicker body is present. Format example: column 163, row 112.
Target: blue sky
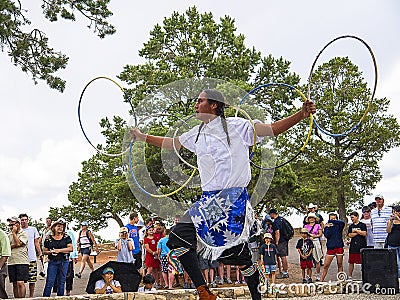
column 43, row 146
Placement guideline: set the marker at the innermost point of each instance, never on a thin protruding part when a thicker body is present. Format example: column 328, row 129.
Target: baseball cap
column 84, row 223
column 379, row 196
column 311, row 205
column 108, row 270
column 123, row 229
column 14, row 219
column 140, row 223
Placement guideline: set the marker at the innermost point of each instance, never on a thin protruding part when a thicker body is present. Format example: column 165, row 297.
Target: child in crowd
column 357, row 232
column 152, row 262
column 107, row 285
column 124, row 245
column 208, row 267
column 148, row 284
column 305, row 248
column 166, row 268
column 268, row 253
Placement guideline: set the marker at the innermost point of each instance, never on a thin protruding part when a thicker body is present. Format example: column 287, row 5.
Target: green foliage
column 30, row 49
column 340, row 171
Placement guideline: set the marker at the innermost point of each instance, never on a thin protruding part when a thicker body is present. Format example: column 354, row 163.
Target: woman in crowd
column 57, row 246
column 85, row 243
column 315, row 231
column 393, row 230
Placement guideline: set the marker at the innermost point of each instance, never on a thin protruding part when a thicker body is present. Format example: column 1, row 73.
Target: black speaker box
column 379, row 271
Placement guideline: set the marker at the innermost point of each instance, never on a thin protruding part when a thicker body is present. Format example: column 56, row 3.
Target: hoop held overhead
column 352, row 129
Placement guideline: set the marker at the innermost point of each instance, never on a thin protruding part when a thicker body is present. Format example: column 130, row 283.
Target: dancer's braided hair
column 215, row 96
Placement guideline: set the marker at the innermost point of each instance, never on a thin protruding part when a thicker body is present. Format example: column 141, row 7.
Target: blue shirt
column 134, row 235
column 162, row 244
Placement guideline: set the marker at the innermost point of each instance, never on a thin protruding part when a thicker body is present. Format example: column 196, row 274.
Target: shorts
column 335, row 251
column 87, row 250
column 207, row 263
column 354, row 258
column 306, row 264
column 164, row 264
column 32, row 271
column 18, row 273
column 269, row 268
column 283, row 249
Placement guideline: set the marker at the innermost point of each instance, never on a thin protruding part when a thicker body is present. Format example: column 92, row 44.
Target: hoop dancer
column 221, row 219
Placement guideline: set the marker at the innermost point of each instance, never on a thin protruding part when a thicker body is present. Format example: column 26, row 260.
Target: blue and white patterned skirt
column 222, row 219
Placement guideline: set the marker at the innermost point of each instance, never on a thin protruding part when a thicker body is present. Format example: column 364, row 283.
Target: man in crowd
column 33, row 248
column 281, row 244
column 133, row 231
column 379, row 218
column 5, row 253
column 18, row 263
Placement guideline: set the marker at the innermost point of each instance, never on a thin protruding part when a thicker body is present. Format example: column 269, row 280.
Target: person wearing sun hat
column 57, row 246
column 312, row 208
column 379, row 218
column 315, row 232
column 107, row 285
column 268, row 256
column 305, row 248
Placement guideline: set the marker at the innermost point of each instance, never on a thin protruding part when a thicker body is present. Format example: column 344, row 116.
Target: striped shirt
column 379, row 219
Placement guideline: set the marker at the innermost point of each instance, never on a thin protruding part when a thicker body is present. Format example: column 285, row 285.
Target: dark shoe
column 304, row 280
column 285, row 275
column 205, row 293
column 309, row 280
column 279, row 276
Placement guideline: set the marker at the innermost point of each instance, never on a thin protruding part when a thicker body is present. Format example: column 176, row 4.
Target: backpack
column 287, row 231
column 87, row 235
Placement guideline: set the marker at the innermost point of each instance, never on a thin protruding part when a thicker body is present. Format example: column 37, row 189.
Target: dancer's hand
column 136, row 135
column 307, row 108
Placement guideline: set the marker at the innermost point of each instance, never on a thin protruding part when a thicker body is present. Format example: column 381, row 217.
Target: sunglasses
column 11, row 225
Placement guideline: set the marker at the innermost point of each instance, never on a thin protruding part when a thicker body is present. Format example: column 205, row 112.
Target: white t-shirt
column 32, row 235
column 222, row 165
column 100, row 284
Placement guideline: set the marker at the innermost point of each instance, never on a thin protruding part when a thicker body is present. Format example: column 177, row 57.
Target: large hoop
column 309, row 130
column 352, row 129
column 80, row 119
column 131, row 164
